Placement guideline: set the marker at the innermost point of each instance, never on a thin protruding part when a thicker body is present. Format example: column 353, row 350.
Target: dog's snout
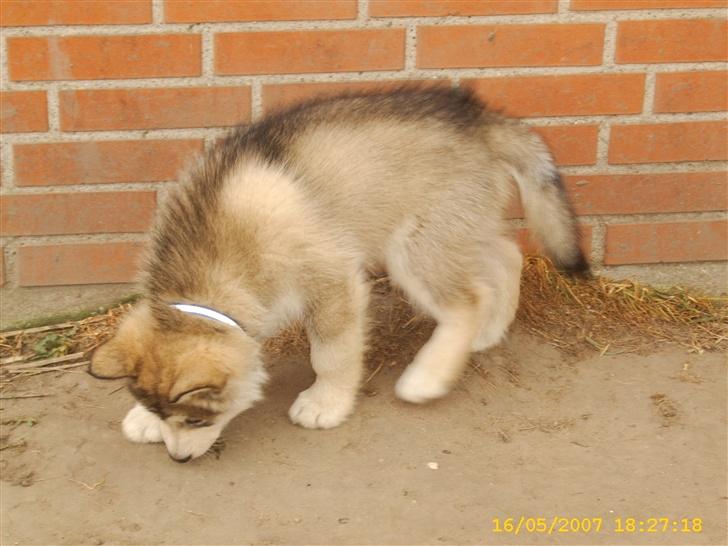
column 183, row 460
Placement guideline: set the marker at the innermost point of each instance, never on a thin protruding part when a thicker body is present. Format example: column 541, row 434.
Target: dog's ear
column 205, row 385
column 207, row 392
column 110, row 361
column 202, row 369
column 118, row 357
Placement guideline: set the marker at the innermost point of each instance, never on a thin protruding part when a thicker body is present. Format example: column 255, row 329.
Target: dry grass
column 617, row 316
column 575, row 315
column 33, row 351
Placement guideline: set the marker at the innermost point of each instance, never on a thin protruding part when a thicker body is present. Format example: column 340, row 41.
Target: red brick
column 670, row 242
column 276, row 96
column 573, row 95
column 476, row 46
column 571, row 144
column 23, row 111
column 644, row 4
column 102, row 57
column 691, row 92
column 114, row 109
column 672, row 41
column 443, row 8
column 284, row 52
column 55, row 265
column 73, row 213
column 648, row 193
column 668, row 142
column 101, row 161
column 73, row 12
column 216, row 11
column 528, row 245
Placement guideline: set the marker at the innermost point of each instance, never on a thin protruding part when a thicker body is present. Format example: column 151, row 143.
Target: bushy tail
column 546, row 205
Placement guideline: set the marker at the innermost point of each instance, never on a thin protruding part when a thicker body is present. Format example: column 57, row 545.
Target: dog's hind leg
column 442, row 283
column 439, row 363
column 336, row 332
column 501, row 272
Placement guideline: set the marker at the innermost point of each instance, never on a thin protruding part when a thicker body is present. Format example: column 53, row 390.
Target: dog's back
column 367, row 161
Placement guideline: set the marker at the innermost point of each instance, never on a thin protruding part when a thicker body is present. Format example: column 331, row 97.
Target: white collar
column 206, row 312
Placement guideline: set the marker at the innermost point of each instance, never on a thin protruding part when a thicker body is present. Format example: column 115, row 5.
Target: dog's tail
column 545, row 204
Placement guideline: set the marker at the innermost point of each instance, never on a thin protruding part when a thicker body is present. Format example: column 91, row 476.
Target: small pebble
column 433, row 466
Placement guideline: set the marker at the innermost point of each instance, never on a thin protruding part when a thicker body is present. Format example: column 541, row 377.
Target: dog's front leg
column 336, row 331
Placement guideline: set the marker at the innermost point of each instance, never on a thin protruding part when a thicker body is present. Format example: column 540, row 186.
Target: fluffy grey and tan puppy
column 282, row 220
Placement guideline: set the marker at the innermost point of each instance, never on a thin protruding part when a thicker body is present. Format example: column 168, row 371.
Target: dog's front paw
column 320, row 406
column 418, row 386
column 142, row 426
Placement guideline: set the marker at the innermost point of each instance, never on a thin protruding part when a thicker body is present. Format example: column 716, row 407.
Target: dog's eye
column 197, row 423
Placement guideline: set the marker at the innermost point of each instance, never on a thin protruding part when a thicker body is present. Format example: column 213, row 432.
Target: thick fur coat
column 283, row 220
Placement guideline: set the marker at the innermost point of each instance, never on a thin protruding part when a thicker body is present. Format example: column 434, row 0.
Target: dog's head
column 195, row 378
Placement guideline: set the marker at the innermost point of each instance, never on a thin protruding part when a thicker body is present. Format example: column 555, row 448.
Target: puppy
column 281, row 221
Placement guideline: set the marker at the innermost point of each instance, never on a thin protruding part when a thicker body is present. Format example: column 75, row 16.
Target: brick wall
column 104, row 101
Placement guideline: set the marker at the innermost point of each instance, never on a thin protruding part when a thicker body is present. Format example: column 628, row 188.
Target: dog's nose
column 180, row 460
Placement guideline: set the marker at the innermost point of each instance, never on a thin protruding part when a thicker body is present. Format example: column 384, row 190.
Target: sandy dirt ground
column 527, row 432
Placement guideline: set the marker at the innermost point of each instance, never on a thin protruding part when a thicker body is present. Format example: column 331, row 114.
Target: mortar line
column 160, row 27
column 208, row 55
column 98, row 187
column 571, row 171
column 187, row 133
column 610, row 44
column 603, row 136
column 598, row 242
column 649, row 217
column 157, row 12
column 410, row 49
column 18, row 241
column 362, row 12
column 246, row 79
column 353, row 76
column 54, row 114
column 256, row 97
column 145, row 236
column 648, row 107
column 8, row 170
column 4, row 71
